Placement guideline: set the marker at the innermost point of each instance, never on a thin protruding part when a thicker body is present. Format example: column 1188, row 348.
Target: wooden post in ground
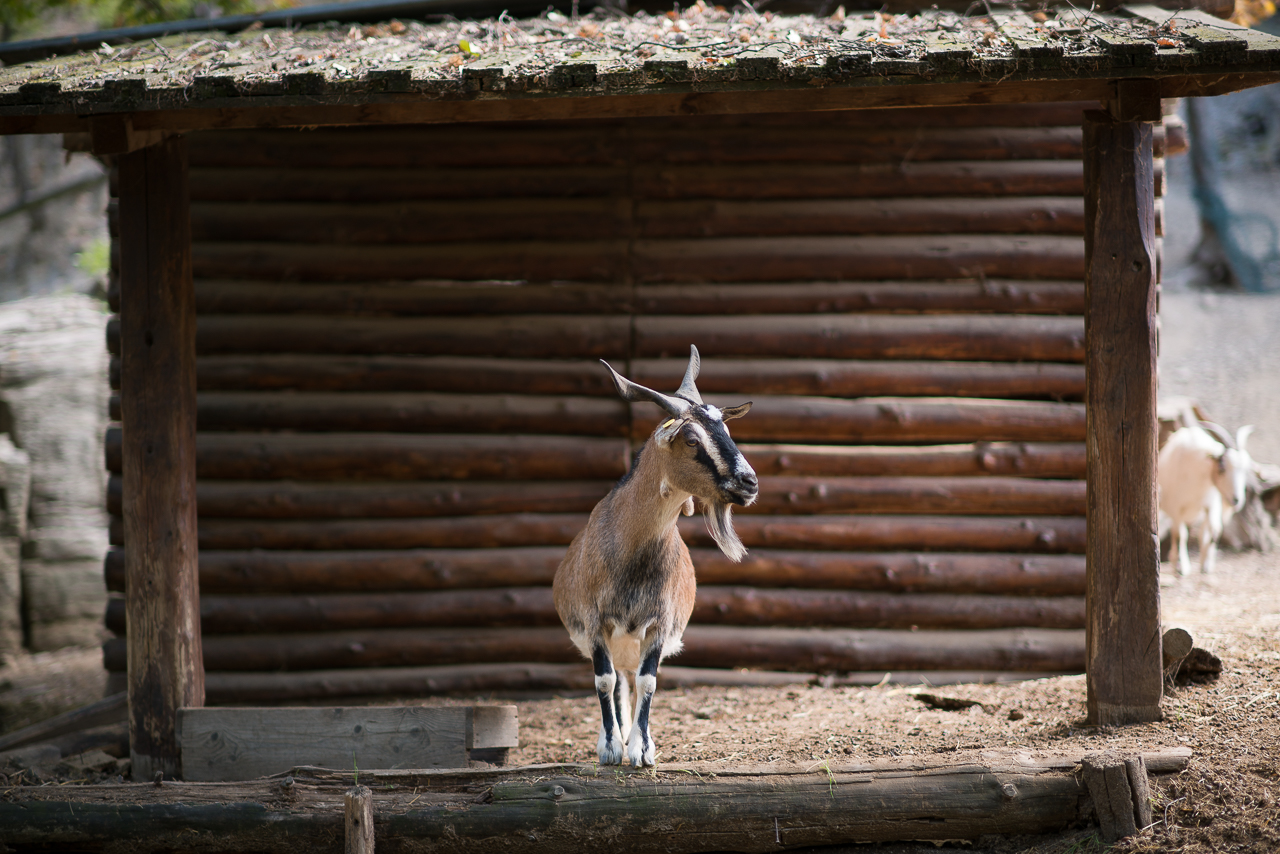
column 358, row 816
column 158, row 414
column 1123, row 658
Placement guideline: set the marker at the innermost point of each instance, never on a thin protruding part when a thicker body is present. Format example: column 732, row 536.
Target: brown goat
column 625, row 588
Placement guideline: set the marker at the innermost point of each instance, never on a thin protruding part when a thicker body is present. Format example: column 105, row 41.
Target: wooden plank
column 1029, row 459
column 776, row 418
column 158, row 451
column 244, row 743
column 374, row 456
column 729, row 259
column 720, row 605
column 108, row 710
column 871, row 336
column 1001, row 296
column 803, row 650
column 730, row 218
column 1124, row 659
column 301, row 572
column 481, row 375
column 398, row 299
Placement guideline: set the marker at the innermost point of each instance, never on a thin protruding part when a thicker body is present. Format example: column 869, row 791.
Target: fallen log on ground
column 680, row 809
column 259, row 571
column 800, row 650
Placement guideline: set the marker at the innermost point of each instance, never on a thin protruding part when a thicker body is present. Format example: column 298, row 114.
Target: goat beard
column 720, row 525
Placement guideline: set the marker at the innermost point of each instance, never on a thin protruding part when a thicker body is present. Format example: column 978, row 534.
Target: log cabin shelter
column 364, row 273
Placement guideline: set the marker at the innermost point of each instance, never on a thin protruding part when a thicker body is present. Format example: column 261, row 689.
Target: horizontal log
column 274, row 499
column 482, row 532
column 535, row 260
column 300, row 572
column 1032, row 534
column 366, row 184
column 767, row 259
column 532, row 606
column 1000, row 338
column 572, row 145
column 391, row 223
column 785, row 217
column 869, row 180
column 804, row 650
column 1025, row 338
column 689, row 808
column 409, row 412
column 547, row 336
column 504, row 680
column 972, row 496
column 1002, row 296
column 428, row 222
column 479, row 375
column 373, row 456
column 961, row 296
column 774, row 418
column 369, row 299
column 1026, row 459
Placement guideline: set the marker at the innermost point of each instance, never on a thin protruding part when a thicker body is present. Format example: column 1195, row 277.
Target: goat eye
column 692, row 443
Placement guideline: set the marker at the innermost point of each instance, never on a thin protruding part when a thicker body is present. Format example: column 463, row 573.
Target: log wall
column 402, row 420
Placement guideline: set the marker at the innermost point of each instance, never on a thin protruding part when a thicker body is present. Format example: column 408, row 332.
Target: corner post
column 1122, row 653
column 158, row 415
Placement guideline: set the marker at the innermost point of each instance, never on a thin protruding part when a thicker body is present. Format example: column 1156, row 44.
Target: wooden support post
column 158, row 411
column 359, row 820
column 1123, row 657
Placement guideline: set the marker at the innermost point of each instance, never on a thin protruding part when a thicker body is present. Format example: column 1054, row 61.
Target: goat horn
column 1220, row 433
column 687, row 389
column 631, row 391
column 1242, row 435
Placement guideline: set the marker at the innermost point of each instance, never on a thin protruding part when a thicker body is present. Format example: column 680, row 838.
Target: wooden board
column 244, row 743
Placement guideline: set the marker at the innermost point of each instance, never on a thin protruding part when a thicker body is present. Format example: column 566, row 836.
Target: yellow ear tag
column 668, row 424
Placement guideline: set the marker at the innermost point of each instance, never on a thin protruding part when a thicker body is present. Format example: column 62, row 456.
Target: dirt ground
column 1227, row 800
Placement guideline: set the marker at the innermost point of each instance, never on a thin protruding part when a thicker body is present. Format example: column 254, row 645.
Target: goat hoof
column 610, row 752
column 641, row 752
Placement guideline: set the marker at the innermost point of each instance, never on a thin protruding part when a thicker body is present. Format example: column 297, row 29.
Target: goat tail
column 720, row 525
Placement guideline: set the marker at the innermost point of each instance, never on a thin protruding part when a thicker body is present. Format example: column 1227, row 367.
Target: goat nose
column 749, row 480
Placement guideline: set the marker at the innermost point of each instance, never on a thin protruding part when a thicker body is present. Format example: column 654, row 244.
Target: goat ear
column 628, row 390
column 735, row 411
column 687, row 389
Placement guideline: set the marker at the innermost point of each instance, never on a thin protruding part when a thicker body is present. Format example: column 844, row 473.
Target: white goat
column 625, row 588
column 1196, row 474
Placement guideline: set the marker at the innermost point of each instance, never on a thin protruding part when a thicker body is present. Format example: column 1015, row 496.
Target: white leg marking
column 640, row 748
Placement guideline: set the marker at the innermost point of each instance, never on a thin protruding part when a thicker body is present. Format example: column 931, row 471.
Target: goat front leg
column 640, row 749
column 1181, row 535
column 609, row 745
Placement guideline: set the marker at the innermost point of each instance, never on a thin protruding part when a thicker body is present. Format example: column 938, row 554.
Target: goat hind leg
column 1181, row 534
column 640, row 749
column 609, row 746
